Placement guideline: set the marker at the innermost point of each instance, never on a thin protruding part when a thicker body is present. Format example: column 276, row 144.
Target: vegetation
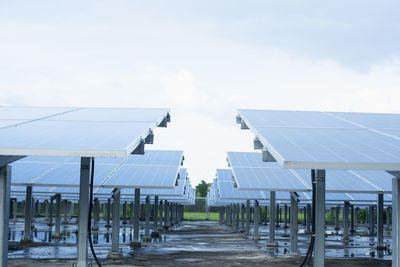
column 199, row 216
column 202, row 189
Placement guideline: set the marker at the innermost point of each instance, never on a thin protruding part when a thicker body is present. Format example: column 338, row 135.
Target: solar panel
column 96, row 132
column 319, row 140
column 157, row 157
column 228, row 191
column 269, row 179
column 269, row 176
column 109, row 172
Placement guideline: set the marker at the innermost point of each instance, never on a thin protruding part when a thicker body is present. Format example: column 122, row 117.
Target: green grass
column 198, row 216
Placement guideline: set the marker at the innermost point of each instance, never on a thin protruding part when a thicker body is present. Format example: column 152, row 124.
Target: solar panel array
column 328, row 140
column 154, row 169
column 90, row 132
column 259, row 175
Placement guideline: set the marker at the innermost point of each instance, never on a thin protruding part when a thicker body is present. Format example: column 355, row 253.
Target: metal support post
column 36, row 213
column 131, row 217
column 166, row 215
column 256, row 219
column 5, row 181
column 124, row 213
column 337, row 227
column 272, row 218
column 28, row 215
column 308, row 219
column 95, row 226
column 352, row 230
column 65, row 211
column 232, row 214
column 345, row 221
column 266, row 215
column 147, row 221
column 15, row 209
column 247, row 216
column 237, row 215
column 285, row 208
column 58, row 216
column 356, row 213
column 332, row 215
column 108, row 211
column 51, row 209
column 278, row 211
column 115, row 252
column 242, row 217
column 396, row 222
column 135, row 242
column 161, row 213
column 371, row 226
column 71, row 209
column 155, row 218
column 388, row 210
column 304, row 216
column 379, row 221
column 293, row 223
column 83, row 211
column 319, row 247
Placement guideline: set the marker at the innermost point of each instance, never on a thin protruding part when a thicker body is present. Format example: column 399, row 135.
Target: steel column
column 116, row 205
column 147, row 220
column 247, row 216
column 83, row 211
column 5, row 180
column 379, row 220
column 345, row 221
column 58, row 217
column 356, row 213
column 237, row 215
column 124, row 213
column 293, row 224
column 166, row 213
column 256, row 219
column 272, row 218
column 28, row 215
column 319, row 248
column 285, row 208
column 371, row 220
column 155, row 218
column 308, row 219
column 15, row 209
column 337, row 227
column 161, row 213
column 242, row 217
column 352, row 219
column 388, row 209
column 108, row 211
column 137, row 217
column 395, row 222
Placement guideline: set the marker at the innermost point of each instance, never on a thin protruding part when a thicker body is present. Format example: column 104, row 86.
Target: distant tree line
column 202, row 189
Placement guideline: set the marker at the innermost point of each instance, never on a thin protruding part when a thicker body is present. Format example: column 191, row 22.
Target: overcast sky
column 203, row 59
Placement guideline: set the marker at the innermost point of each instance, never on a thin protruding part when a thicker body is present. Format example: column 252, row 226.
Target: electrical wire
column 90, row 216
column 307, row 258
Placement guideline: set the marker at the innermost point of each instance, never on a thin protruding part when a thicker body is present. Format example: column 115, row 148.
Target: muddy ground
column 198, row 244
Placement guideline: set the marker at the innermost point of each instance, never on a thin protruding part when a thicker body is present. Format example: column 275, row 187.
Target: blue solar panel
column 97, row 132
column 318, row 140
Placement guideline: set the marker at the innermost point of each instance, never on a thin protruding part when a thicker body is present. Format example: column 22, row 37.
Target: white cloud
column 145, row 58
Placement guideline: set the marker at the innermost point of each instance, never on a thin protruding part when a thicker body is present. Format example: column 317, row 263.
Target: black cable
column 90, row 215
column 310, row 250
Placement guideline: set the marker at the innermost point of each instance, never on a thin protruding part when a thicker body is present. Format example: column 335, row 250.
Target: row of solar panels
column 251, row 178
column 156, row 173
